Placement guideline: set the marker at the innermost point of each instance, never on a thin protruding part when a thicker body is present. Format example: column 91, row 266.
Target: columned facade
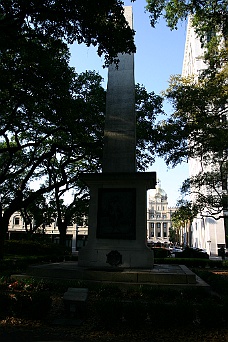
column 158, row 216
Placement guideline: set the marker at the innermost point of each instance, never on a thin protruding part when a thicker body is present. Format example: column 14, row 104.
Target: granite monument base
column 117, row 221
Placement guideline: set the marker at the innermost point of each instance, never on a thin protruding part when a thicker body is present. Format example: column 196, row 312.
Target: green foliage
column 208, row 15
column 197, row 117
column 212, row 314
column 110, row 291
column 198, row 129
column 161, row 252
column 216, row 281
column 113, row 307
column 26, row 299
column 184, row 214
column 148, row 106
column 198, row 126
column 192, row 262
column 109, row 312
column 5, row 305
column 135, row 312
column 27, row 305
column 173, row 235
column 171, row 315
column 192, row 253
column 32, row 248
column 51, row 117
column 100, row 24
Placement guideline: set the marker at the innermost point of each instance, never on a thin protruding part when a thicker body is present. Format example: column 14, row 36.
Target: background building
column 158, row 216
column 76, row 235
column 207, row 232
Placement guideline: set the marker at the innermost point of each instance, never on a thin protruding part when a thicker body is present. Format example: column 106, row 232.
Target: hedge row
column 28, row 248
column 135, row 313
column 192, row 262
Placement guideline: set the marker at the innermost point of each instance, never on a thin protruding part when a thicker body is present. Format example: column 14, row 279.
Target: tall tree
column 54, row 134
column 41, row 112
column 56, row 145
column 207, row 14
column 182, row 219
column 198, row 126
column 147, row 105
column 99, row 23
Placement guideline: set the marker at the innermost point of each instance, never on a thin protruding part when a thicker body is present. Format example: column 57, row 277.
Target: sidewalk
column 215, row 257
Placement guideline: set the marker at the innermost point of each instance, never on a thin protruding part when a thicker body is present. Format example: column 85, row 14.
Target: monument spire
column 120, row 123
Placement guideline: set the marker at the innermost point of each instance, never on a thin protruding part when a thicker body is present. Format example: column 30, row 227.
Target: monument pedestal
column 117, row 220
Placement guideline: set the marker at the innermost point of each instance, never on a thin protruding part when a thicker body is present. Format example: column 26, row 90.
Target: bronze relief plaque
column 116, row 217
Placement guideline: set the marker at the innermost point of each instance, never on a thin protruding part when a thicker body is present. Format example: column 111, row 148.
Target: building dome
column 159, row 191
column 157, row 194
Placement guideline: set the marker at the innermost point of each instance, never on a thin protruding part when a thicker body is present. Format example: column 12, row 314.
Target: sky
column 159, row 54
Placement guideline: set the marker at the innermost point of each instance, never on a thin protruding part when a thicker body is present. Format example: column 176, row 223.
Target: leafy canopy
column 99, row 23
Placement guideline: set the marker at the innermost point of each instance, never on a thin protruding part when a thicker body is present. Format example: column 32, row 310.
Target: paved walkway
column 215, row 257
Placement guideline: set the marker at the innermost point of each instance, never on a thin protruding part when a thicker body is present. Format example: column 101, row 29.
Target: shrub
column 135, row 312
column 216, row 281
column 108, row 305
column 192, row 262
column 176, row 314
column 161, row 252
column 5, row 305
column 160, row 313
column 212, row 314
column 35, row 305
column 29, row 247
column 40, row 304
column 192, row 253
column 109, row 311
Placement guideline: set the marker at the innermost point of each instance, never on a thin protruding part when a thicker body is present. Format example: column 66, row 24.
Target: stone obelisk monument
column 120, row 122
column 118, row 195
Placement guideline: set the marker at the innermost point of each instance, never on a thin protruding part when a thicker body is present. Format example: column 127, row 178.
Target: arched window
column 16, row 220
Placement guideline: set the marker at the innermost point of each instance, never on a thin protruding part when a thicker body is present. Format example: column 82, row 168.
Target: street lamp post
column 74, row 240
column 209, row 242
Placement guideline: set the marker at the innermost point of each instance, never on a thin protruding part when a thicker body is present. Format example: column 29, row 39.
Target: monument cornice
column 148, row 178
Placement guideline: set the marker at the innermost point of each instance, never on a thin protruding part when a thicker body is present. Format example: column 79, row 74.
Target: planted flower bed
column 22, row 299
column 158, row 308
column 113, row 314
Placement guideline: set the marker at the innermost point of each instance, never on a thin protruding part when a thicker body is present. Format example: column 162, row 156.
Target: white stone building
column 207, row 232
column 158, row 216
column 76, row 236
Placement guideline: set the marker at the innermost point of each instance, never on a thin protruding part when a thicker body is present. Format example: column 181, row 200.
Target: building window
column 158, row 216
column 164, row 216
column 158, row 229
column 224, row 183
column 152, row 229
column 16, row 221
column 164, row 229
